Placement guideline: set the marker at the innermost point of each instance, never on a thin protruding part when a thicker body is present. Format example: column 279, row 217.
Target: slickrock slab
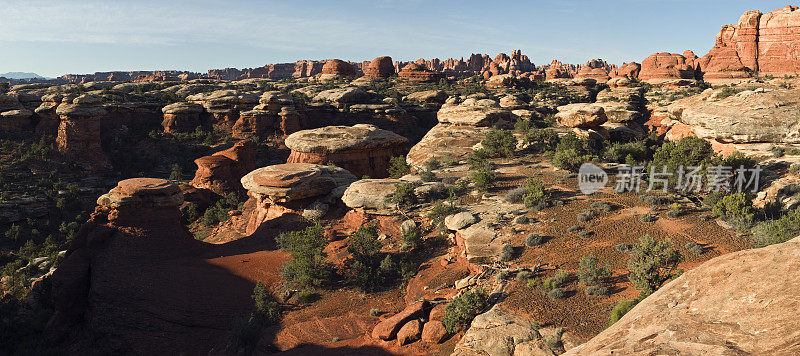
column 749, row 116
column 738, row 303
column 495, row 332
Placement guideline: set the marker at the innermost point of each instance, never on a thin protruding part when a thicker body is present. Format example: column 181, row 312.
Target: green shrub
column 219, row 211
column 514, row 196
column 479, row 159
column 465, row 307
column 542, row 140
column 508, row 253
column 694, row 248
column 433, row 164
column 176, row 173
column 622, row 308
column 776, row 231
column 427, row 176
column 246, row 331
column 585, row 215
column 366, row 270
column 559, row 279
column 534, row 240
column 570, row 160
column 737, row 208
column 499, row 143
column 307, row 268
column 535, row 193
column 398, row 167
column 689, row 151
column 412, row 238
column 404, row 195
column 652, row 263
column 557, row 293
column 484, row 178
column 596, row 290
column 591, row 272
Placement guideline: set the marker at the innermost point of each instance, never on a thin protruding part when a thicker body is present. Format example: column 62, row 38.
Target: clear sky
column 66, row 36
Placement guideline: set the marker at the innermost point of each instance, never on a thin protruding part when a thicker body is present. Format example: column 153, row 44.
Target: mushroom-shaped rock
column 380, row 67
column 79, row 131
column 362, row 149
column 142, row 198
column 295, row 181
column 182, row 117
column 581, row 115
column 291, row 187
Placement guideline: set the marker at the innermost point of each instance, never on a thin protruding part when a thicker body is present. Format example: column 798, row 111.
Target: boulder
column 496, row 332
column 581, row 115
column 736, row 303
column 410, row 332
column 362, row 149
column 371, row 196
column 388, row 328
column 434, row 332
column 460, row 220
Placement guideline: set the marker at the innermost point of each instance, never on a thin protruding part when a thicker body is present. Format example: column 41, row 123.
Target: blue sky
column 57, row 37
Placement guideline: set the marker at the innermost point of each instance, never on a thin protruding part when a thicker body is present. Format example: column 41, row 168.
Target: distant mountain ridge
column 21, row 75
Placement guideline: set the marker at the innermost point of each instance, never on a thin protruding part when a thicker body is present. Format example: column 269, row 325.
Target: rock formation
column 79, row 130
column 746, row 117
column 222, row 171
column 337, row 68
column 48, row 119
column 363, row 149
column 225, row 105
column 661, row 67
column 418, row 73
column 380, row 67
column 737, row 303
column 763, row 43
column 275, row 112
column 135, row 280
column 182, row 117
column 290, row 188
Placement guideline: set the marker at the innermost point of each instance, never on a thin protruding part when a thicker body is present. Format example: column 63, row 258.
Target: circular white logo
column 591, row 178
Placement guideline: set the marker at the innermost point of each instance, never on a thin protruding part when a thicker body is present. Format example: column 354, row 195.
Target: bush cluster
column 465, row 307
